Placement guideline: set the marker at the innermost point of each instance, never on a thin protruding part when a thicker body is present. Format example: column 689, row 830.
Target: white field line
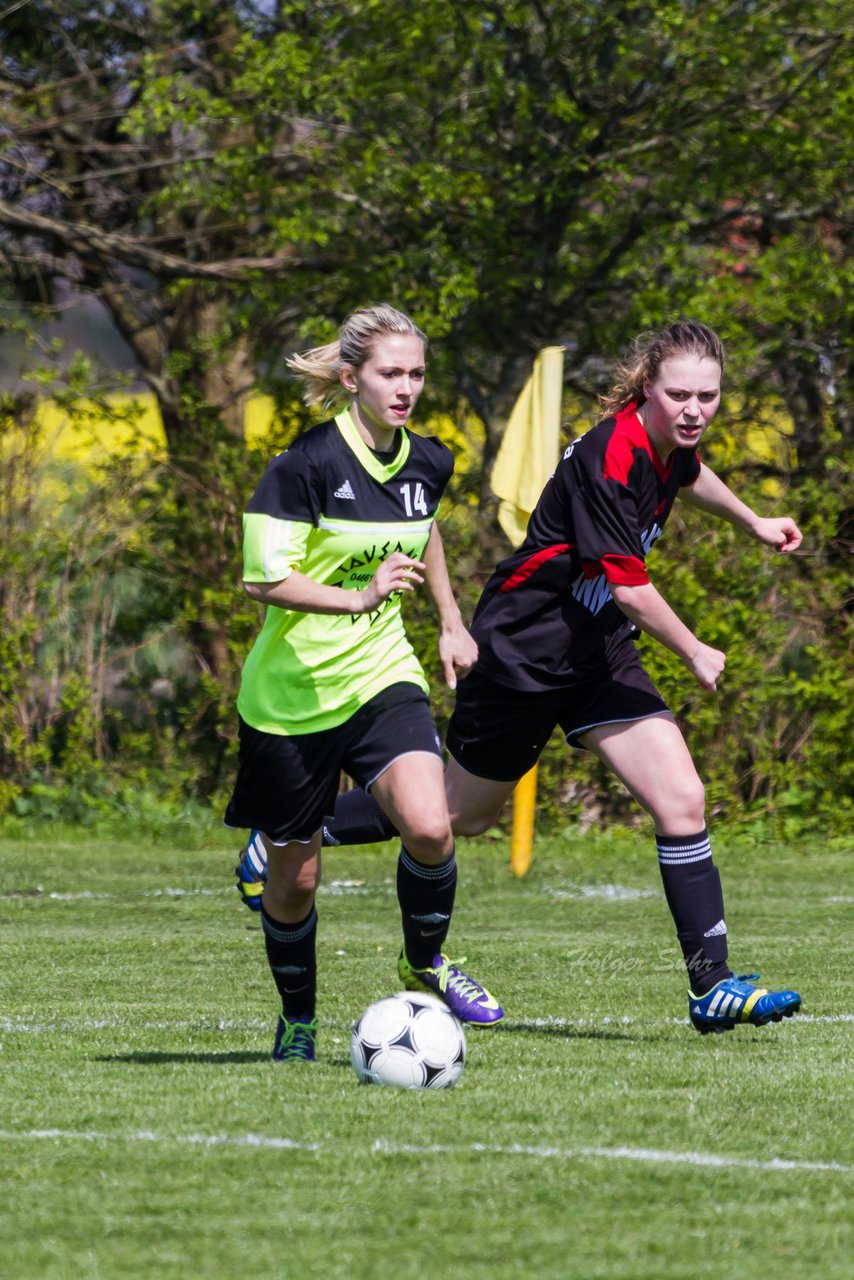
column 380, row 1147
column 146, row 1135
column 21, row 1026
column 603, row 892
column 358, row 888
column 335, row 889
column 645, row 1154
column 71, row 1025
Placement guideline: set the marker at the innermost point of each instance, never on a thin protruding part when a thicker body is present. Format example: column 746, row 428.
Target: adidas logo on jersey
column 717, row 932
column 345, row 491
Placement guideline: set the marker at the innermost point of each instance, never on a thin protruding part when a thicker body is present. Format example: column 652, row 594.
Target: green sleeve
column 272, row 547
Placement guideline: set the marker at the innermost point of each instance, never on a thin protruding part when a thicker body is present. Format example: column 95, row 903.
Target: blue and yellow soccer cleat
column 295, row 1041
column 735, row 1000
column 467, row 999
column 251, row 871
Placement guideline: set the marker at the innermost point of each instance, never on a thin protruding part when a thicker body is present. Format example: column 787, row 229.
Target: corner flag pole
column 526, row 459
column 522, row 832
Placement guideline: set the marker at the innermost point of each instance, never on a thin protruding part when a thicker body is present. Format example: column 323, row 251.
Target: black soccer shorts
column 499, row 733
column 286, row 786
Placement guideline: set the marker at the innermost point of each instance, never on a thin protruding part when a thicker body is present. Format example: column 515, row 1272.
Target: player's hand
column 706, row 665
column 778, row 531
column 398, row 573
column 458, row 652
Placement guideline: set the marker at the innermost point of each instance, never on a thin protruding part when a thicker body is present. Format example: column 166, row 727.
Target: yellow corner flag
column 529, row 449
column 527, row 457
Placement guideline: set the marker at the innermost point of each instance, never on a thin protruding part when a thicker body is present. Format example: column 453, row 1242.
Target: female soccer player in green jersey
column 341, row 525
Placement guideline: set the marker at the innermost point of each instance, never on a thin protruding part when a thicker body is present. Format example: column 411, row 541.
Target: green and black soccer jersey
column 330, row 508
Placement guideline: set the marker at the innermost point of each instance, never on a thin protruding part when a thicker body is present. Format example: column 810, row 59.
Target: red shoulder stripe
column 532, row 564
column 627, row 437
column 619, row 455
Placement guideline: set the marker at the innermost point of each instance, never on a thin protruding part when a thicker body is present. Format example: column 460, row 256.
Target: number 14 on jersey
column 414, row 503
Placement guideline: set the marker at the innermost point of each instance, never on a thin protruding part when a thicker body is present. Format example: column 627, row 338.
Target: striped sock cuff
column 285, row 933
column 676, row 851
column 444, row 871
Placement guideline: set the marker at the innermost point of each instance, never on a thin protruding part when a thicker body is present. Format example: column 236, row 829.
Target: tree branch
column 84, row 238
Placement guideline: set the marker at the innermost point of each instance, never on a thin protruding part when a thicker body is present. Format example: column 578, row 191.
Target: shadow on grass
column 157, row 1059
column 574, row 1033
column 214, row 1059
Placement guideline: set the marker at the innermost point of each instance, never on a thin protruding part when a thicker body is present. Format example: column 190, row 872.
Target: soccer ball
column 411, row 1040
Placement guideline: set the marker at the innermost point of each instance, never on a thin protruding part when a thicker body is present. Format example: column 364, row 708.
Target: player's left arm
column 710, row 493
column 457, row 649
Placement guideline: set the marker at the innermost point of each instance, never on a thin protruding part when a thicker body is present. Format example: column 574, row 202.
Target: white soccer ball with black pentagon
column 411, row 1040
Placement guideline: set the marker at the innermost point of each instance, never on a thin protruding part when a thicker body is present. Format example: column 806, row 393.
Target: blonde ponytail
column 318, row 369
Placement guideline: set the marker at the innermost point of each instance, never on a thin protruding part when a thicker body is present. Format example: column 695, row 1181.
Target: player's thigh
column 652, row 760
column 293, row 875
column 474, row 804
column 411, row 791
column 395, row 754
column 495, row 736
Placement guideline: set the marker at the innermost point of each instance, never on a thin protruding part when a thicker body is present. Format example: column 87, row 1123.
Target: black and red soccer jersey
column 547, row 617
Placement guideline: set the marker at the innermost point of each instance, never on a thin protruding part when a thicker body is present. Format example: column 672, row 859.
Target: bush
column 124, row 630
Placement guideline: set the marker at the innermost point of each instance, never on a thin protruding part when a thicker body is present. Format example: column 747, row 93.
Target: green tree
column 512, row 172
column 231, row 177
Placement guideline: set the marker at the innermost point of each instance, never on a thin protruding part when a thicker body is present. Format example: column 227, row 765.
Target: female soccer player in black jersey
column 341, row 524
column 556, row 628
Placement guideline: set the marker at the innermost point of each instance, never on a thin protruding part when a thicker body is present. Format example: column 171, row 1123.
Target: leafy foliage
column 228, row 179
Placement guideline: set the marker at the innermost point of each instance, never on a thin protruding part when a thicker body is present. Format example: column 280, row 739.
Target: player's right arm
column 647, row 609
column 304, row 595
column 277, row 525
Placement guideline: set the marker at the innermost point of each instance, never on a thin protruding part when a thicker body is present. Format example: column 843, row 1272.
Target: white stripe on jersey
column 277, row 543
column 379, row 530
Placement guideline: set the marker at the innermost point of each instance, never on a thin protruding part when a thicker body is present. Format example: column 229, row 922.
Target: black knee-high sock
column 292, row 959
column 692, row 887
column 357, row 819
column 426, row 897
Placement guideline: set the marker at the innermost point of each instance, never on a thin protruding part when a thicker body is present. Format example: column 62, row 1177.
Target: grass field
column 145, row 1131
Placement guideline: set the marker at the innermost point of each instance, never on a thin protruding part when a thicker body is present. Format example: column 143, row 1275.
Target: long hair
column 318, row 368
column 685, row 337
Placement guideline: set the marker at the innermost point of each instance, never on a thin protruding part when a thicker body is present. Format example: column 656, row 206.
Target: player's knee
column 695, row 800
column 304, row 883
column 686, row 801
column 294, row 885
column 288, row 902
column 430, row 840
